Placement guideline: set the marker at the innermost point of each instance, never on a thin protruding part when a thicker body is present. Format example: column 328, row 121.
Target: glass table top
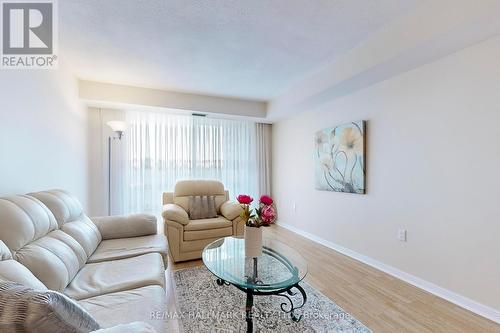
column 278, row 267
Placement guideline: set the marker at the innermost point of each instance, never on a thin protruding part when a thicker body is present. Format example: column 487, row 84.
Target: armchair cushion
column 187, row 188
column 175, row 213
column 231, row 210
column 136, row 225
column 207, row 224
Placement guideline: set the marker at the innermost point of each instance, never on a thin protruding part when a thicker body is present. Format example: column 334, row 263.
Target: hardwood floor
column 380, row 301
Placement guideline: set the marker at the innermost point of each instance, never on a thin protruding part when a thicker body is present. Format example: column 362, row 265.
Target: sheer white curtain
column 163, row 148
column 263, row 146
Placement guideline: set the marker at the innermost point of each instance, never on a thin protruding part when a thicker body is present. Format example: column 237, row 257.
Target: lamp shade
column 117, row 125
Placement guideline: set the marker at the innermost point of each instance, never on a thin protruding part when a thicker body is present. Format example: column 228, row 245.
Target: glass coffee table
column 277, row 271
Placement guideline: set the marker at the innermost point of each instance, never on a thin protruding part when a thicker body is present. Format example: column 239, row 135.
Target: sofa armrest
column 134, row 327
column 176, row 213
column 231, row 210
column 134, row 225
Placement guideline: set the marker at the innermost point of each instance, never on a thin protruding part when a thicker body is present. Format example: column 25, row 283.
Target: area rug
column 206, row 307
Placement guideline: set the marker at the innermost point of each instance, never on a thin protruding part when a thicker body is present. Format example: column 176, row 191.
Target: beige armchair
column 187, row 238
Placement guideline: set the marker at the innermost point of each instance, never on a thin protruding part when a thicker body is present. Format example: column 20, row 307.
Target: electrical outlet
column 402, row 234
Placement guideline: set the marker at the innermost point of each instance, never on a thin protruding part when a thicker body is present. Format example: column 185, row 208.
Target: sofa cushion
column 202, row 207
column 29, row 230
column 113, row 249
column 117, row 275
column 5, row 253
column 23, row 309
column 146, row 304
column 24, row 219
column 54, row 259
column 70, row 217
column 11, row 270
column 204, row 224
column 134, row 327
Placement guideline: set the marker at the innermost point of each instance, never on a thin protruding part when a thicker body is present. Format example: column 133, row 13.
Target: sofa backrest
column 11, row 270
column 187, row 188
column 5, row 253
column 70, row 217
column 30, row 231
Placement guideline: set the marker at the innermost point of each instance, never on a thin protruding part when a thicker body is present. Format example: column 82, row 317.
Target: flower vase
column 253, row 242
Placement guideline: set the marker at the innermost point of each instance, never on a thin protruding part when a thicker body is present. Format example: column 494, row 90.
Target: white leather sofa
column 187, row 238
column 113, row 266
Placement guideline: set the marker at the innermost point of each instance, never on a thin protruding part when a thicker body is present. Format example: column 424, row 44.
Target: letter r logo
column 27, row 28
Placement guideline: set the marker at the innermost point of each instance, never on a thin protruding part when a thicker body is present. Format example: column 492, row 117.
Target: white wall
column 43, row 130
column 422, row 36
column 433, row 166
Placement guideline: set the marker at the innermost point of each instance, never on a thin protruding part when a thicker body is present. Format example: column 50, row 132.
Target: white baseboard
column 462, row 301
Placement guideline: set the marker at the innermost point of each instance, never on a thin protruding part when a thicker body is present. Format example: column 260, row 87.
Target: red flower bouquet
column 244, row 199
column 264, row 215
column 266, row 200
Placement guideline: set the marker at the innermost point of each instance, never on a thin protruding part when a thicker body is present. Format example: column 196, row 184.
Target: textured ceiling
column 250, row 49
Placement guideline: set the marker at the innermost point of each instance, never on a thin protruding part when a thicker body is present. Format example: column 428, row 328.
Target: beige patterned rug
column 208, row 307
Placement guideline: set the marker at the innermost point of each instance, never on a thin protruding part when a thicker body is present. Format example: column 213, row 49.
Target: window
column 163, row 148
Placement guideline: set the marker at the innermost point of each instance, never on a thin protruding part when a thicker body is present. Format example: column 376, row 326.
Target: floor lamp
column 118, row 128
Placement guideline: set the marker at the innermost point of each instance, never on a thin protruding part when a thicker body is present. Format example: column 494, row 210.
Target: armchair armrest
column 134, row 225
column 134, row 327
column 176, row 213
column 231, row 210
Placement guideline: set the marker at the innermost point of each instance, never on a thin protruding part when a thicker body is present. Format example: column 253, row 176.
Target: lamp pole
column 109, row 175
column 118, row 128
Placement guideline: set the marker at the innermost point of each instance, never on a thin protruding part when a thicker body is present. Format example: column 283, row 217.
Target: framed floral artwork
column 340, row 158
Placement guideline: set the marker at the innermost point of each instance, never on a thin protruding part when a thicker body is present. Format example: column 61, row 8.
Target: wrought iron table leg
column 304, row 300
column 291, row 306
column 248, row 311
